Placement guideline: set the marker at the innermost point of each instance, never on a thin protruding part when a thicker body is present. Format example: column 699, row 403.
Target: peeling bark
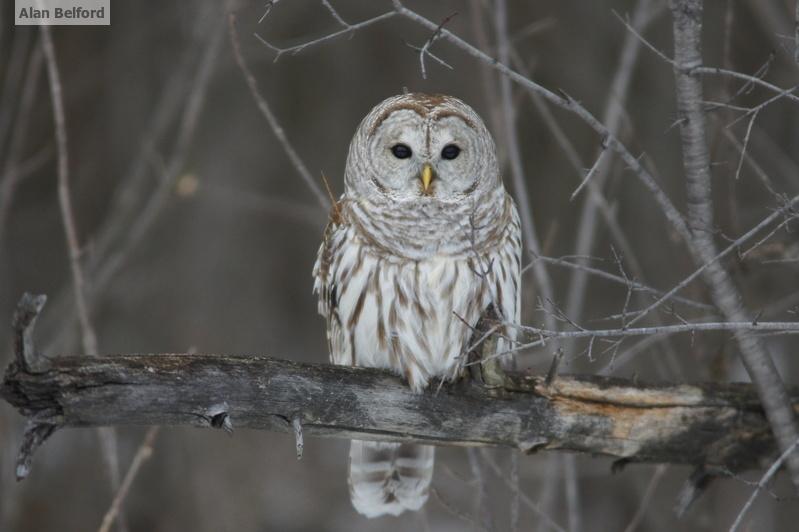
column 711, row 425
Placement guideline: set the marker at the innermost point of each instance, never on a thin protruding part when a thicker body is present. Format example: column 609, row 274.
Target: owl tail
column 389, row 478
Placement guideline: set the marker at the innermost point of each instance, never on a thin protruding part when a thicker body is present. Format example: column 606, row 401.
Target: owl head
column 421, row 147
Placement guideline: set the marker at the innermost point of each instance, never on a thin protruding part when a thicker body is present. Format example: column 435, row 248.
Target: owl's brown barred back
column 424, row 239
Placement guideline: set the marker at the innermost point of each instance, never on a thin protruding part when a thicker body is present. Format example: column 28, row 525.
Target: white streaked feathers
column 408, row 315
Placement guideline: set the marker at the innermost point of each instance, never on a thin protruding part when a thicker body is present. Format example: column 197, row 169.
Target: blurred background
column 198, row 234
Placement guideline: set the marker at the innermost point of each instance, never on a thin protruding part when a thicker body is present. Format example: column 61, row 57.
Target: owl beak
column 427, row 177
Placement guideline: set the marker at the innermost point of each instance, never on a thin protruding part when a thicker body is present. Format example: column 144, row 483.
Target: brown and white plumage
column 419, row 246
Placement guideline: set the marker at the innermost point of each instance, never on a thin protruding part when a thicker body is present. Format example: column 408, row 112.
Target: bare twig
column 452, row 510
column 572, row 488
column 528, row 502
column 513, row 480
column 788, row 327
column 425, row 49
column 764, row 480
column 483, row 509
column 12, row 170
column 645, row 12
column 271, row 119
column 107, row 436
column 733, row 246
column 135, row 208
column 67, row 217
column 334, row 13
column 602, row 274
column 745, row 144
column 175, row 163
column 782, row 93
column 14, row 67
column 508, row 116
column 348, row 29
column 144, row 452
column 646, row 498
column 545, row 335
column 591, row 173
column 700, row 69
column 307, row 214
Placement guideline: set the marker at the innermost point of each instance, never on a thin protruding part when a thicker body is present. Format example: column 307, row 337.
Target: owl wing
column 326, row 286
column 506, row 288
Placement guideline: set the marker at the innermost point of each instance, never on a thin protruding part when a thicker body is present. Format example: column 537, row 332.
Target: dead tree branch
column 714, row 425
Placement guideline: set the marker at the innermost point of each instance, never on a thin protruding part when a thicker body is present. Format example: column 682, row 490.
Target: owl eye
column 450, row 152
column 401, row 151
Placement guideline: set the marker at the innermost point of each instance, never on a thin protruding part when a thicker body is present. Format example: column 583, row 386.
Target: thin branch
column 147, row 214
column 745, row 144
column 788, row 327
column 483, row 509
column 11, row 89
column 733, row 246
column 65, row 201
column 588, row 226
column 699, row 69
column 425, row 49
column 756, row 109
column 348, row 29
column 782, row 93
column 334, row 13
column 545, row 335
column 646, row 498
column 143, row 454
column 528, row 502
column 572, row 488
column 452, row 510
column 516, row 490
column 12, row 170
column 764, row 480
column 107, row 437
column 753, row 164
column 430, row 54
column 508, row 116
column 135, row 208
column 635, row 285
column 271, row 119
column 591, row 173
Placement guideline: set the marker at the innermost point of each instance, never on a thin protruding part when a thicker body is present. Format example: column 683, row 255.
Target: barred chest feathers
column 415, row 315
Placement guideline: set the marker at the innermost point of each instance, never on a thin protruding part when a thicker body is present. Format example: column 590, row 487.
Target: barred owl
column 422, row 242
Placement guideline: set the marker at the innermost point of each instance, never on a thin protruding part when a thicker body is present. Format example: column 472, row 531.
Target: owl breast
column 413, row 316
